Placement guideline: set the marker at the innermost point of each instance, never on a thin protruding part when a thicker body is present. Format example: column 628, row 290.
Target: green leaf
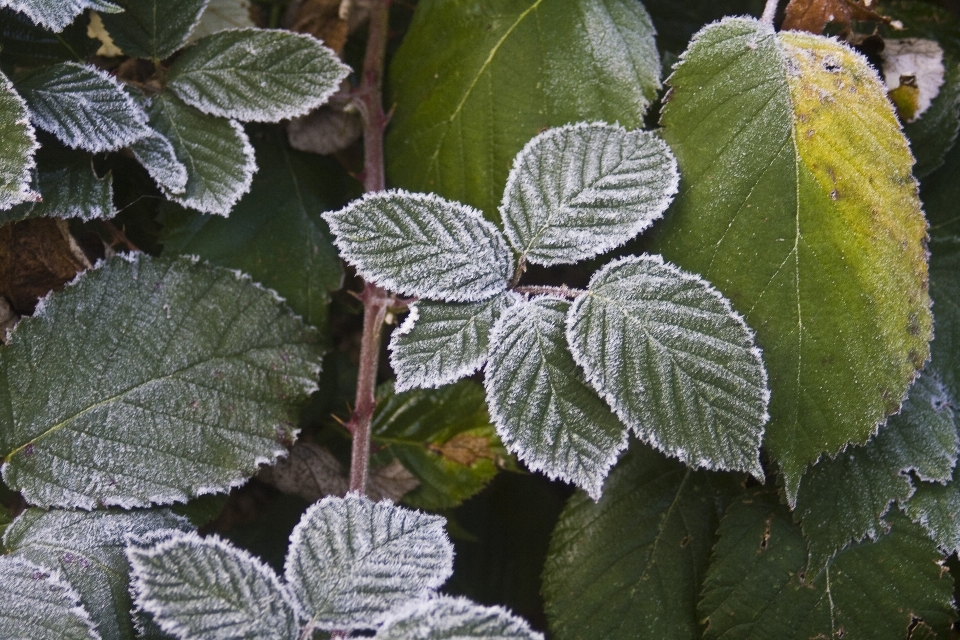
column 159, row 158
column 443, row 437
column 440, row 343
column 153, row 29
column 83, row 106
column 87, row 549
column 17, row 147
column 199, row 588
column 632, row 564
column 935, row 132
column 257, row 74
column 540, row 401
column 221, row 15
column 475, row 80
column 446, row 618
column 204, row 386
column 420, row 245
column 798, row 204
column 351, row 560
column 677, row 22
column 275, row 233
column 757, row 585
column 937, row 508
column 25, row 44
column 580, row 190
column 940, row 192
column 945, row 291
column 37, row 603
column 57, row 14
column 845, row 499
column 675, row 362
column 216, row 153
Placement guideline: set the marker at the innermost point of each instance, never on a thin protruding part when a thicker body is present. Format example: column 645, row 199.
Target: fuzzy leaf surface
column 159, row 158
column 83, row 106
column 447, row 618
column 153, row 29
column 205, row 588
column 937, row 508
column 545, row 411
column 69, row 188
column 17, row 147
column 465, row 107
column 632, row 564
column 797, row 202
column 420, row 245
column 577, row 191
column 675, row 362
column 37, row 603
column 264, row 75
column 440, row 343
column 204, row 387
column 57, row 14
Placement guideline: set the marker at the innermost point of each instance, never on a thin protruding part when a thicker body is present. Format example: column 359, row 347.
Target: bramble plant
column 661, row 352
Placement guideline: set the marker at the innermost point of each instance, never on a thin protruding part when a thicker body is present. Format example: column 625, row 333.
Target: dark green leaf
column 159, row 158
column 937, row 508
column 17, row 147
column 446, row 618
column 69, row 188
column 57, row 14
column 37, row 603
column 935, row 132
column 153, row 28
column 25, row 44
column 945, row 291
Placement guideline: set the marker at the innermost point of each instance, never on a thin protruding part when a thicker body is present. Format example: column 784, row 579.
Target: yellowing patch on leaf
column 465, row 449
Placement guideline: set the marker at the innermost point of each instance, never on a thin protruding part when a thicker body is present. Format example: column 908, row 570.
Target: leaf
column 937, row 508
column 915, row 64
column 203, row 588
column 257, row 74
column 159, row 158
column 802, row 211
column 69, row 188
column 757, row 586
column 38, row 604
column 57, row 14
column 632, row 564
column 454, row 618
column 940, row 192
column 676, row 22
column 83, row 106
column 440, row 343
column 87, row 549
column 24, row 44
column 221, row 15
column 474, row 80
column 351, row 560
column 945, row 291
column 205, row 386
column 420, row 245
column 675, row 362
column 934, row 133
column 543, row 408
column 153, row 29
column 814, row 15
column 216, row 153
column 444, row 437
column 845, row 499
column 18, row 144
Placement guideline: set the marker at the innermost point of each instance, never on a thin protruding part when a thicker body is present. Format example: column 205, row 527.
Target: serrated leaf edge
column 26, row 177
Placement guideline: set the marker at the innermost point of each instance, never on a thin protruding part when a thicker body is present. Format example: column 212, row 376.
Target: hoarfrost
column 158, row 157
column 57, row 14
column 18, row 144
column 37, row 603
column 450, row 618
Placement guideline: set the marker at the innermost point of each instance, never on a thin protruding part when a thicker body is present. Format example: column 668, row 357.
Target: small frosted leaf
column 17, row 147
column 440, row 343
column 257, row 74
column 217, row 154
column 447, row 618
column 36, row 603
column 675, row 361
column 351, row 560
column 937, row 508
column 421, row 245
column 83, row 106
column 580, row 190
column 57, row 14
column 153, row 28
column 545, row 411
column 205, row 385
column 205, row 588
column 71, row 191
column 159, row 158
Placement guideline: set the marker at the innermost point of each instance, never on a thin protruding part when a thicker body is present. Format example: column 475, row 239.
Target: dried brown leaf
column 465, row 449
column 814, row 15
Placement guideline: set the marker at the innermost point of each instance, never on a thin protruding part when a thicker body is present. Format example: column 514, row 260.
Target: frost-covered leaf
column 474, row 80
column 87, row 548
column 216, row 152
column 675, row 362
column 159, row 158
column 26, row 44
column 17, row 147
column 447, row 618
column 57, row 14
column 844, row 500
column 932, row 135
column 945, row 291
column 352, row 560
column 257, row 74
column 937, row 508
column 913, row 72
column 757, row 586
column 204, row 386
column 631, row 565
column 545, row 411
column 36, row 603
column 797, row 202
column 221, row 15
column 153, row 29
column 440, row 343
column 580, row 190
column 420, row 245
column 205, row 589
column 443, row 436
column 82, row 106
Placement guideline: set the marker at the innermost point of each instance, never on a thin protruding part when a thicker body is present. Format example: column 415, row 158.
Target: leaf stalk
column 769, row 12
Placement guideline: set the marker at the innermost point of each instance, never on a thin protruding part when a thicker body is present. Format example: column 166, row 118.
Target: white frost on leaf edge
column 431, row 614
column 26, row 177
column 56, row 20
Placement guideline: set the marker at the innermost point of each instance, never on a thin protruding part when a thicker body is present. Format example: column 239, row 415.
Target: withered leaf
column 814, row 15
column 465, row 449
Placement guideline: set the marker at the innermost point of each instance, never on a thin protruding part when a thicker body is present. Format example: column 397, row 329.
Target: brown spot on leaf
column 464, row 449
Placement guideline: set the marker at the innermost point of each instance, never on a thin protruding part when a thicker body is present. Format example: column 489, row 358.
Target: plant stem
column 769, row 12
column 561, row 292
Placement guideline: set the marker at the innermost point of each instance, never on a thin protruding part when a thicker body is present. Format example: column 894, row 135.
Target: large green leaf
column 153, row 29
column 474, row 80
column 57, row 14
column 17, row 147
column 87, row 548
column 36, row 603
column 757, row 586
column 945, row 291
column 150, row 381
column 632, row 564
column 446, row 618
column 797, row 202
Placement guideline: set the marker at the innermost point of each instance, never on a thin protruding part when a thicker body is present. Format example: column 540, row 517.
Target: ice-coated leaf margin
column 18, row 144
column 449, row 618
column 56, row 15
column 37, row 603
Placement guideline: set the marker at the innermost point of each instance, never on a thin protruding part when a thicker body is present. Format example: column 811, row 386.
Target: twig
column 560, row 292
column 769, row 12
column 119, row 237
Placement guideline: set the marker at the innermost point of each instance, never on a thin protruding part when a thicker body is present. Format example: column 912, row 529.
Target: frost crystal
column 36, row 603
column 446, row 618
column 57, row 14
